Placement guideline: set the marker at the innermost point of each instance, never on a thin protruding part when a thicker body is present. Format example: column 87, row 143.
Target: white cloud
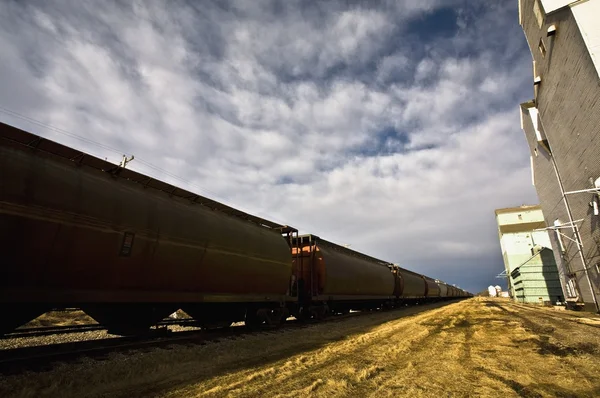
column 277, row 113
column 425, row 68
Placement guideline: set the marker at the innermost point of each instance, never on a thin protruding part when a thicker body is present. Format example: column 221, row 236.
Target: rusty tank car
column 78, row 231
column 333, row 277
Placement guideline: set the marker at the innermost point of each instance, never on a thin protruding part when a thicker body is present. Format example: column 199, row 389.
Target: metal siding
column 538, row 278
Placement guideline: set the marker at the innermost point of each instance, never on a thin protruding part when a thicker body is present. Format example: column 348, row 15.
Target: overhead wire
column 137, row 159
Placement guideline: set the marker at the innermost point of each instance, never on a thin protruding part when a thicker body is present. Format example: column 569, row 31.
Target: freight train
column 78, row 231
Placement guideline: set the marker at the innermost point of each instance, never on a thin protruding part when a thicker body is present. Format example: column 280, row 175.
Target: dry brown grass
column 478, row 347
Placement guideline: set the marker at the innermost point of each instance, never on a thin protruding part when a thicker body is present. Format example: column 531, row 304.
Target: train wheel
column 304, row 314
column 253, row 319
column 217, row 325
column 127, row 318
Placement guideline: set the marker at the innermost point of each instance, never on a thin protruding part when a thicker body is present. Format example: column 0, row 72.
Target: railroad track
column 39, row 358
column 50, row 330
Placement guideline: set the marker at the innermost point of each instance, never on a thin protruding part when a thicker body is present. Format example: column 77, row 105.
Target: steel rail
column 37, row 358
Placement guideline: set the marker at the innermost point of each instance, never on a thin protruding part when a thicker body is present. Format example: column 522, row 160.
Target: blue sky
column 392, row 126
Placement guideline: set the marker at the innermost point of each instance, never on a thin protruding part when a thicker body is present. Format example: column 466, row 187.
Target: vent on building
column 536, row 87
column 542, row 48
column 561, row 244
column 551, row 30
column 540, row 135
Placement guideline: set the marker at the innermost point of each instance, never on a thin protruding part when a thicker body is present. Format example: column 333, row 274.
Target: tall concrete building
column 528, row 258
column 562, row 127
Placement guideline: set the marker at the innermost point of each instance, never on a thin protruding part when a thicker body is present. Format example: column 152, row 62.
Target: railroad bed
column 68, row 329
column 38, row 348
column 475, row 347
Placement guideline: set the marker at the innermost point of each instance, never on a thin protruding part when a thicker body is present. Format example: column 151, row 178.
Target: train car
column 433, row 290
column 452, row 291
column 411, row 287
column 78, row 231
column 330, row 277
column 443, row 289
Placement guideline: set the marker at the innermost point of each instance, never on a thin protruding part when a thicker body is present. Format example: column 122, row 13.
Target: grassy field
column 476, row 347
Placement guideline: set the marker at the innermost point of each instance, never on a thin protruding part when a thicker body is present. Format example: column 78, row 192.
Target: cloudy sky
column 390, row 126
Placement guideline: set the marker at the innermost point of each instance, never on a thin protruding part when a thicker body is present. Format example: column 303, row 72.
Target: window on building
column 537, row 11
column 542, row 48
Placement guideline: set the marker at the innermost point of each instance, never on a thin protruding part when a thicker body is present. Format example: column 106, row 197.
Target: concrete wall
column 549, row 194
column 568, row 101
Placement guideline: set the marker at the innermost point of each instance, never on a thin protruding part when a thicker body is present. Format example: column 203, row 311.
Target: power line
column 139, row 160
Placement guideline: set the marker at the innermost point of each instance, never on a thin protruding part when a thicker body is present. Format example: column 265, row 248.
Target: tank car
column 330, row 277
column 411, row 287
column 443, row 289
column 129, row 250
column 78, row 231
column 433, row 290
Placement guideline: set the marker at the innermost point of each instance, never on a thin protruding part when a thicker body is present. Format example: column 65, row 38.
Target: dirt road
column 477, row 347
